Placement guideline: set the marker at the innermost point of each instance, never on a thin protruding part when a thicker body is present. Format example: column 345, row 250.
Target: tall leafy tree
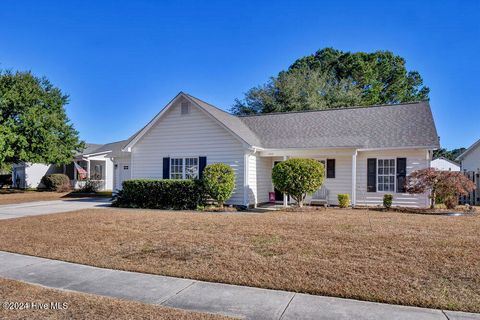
column 448, row 154
column 332, row 78
column 33, row 124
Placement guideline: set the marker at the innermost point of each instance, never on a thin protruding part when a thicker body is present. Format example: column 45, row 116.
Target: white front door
column 123, row 173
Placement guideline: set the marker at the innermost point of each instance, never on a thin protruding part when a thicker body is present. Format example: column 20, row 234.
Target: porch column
column 354, row 178
column 285, row 197
column 88, row 168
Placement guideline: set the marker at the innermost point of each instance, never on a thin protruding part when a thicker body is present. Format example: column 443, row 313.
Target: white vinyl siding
column 342, row 183
column 259, row 179
column 471, row 161
column 190, row 135
column 444, row 165
column 416, row 159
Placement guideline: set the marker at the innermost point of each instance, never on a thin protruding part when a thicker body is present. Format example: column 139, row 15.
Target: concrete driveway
column 10, row 211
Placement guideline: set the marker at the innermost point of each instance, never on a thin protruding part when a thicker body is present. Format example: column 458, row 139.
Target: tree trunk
column 432, row 203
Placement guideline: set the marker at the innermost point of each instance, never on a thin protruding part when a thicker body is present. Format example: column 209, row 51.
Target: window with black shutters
column 330, row 168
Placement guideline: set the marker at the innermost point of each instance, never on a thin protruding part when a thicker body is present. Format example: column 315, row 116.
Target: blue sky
column 121, row 62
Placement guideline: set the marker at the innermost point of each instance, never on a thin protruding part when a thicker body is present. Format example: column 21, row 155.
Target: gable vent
column 185, row 107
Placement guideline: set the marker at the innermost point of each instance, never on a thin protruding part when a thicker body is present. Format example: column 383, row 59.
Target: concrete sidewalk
column 9, row 211
column 245, row 302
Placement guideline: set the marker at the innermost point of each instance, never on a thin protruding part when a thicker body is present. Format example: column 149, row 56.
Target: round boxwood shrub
column 219, row 181
column 343, row 200
column 387, row 200
column 298, row 177
column 56, row 182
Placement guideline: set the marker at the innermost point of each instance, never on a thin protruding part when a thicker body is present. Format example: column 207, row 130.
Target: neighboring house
column 470, row 158
column 368, row 151
column 444, row 164
column 470, row 165
column 96, row 160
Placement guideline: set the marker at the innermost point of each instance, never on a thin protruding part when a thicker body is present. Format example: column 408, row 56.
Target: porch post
column 88, row 168
column 354, row 178
column 285, row 198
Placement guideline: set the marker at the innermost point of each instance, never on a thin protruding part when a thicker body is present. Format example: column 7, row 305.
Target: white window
column 176, row 168
column 386, row 175
column 183, row 168
column 191, row 168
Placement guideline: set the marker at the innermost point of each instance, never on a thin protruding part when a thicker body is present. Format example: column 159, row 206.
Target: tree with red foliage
column 447, row 185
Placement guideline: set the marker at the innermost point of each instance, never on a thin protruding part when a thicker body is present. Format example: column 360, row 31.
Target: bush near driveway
column 160, row 194
column 298, row 177
column 56, row 182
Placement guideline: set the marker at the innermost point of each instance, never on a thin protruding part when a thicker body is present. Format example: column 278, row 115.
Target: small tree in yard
column 298, row 177
column 447, row 185
column 219, row 180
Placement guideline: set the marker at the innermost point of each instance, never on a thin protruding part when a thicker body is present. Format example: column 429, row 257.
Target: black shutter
column 330, row 168
column 166, row 168
column 401, row 174
column 202, row 163
column 372, row 175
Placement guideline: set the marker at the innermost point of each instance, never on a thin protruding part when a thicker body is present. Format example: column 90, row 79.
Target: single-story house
column 444, row 164
column 367, row 151
column 470, row 165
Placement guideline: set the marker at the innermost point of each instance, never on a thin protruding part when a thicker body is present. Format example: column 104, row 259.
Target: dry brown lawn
column 11, row 197
column 83, row 306
column 411, row 259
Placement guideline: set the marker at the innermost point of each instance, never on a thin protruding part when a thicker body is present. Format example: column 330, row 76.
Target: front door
column 278, row 194
column 123, row 172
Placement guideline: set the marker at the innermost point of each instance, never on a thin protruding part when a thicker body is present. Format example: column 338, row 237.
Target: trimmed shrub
column 160, row 194
column 343, row 200
column 90, row 186
column 387, row 201
column 219, row 182
column 298, row 177
column 56, row 182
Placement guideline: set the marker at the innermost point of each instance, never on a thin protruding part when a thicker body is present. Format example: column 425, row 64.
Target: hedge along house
column 368, row 151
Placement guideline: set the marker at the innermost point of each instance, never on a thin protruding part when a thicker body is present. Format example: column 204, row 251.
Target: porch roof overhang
column 292, row 152
column 92, row 155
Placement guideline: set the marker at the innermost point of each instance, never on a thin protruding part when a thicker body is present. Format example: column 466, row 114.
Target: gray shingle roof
column 89, row 148
column 114, row 147
column 387, row 126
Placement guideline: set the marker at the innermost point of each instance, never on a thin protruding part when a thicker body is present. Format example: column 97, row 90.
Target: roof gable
column 447, row 160
column 470, row 149
column 231, row 123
